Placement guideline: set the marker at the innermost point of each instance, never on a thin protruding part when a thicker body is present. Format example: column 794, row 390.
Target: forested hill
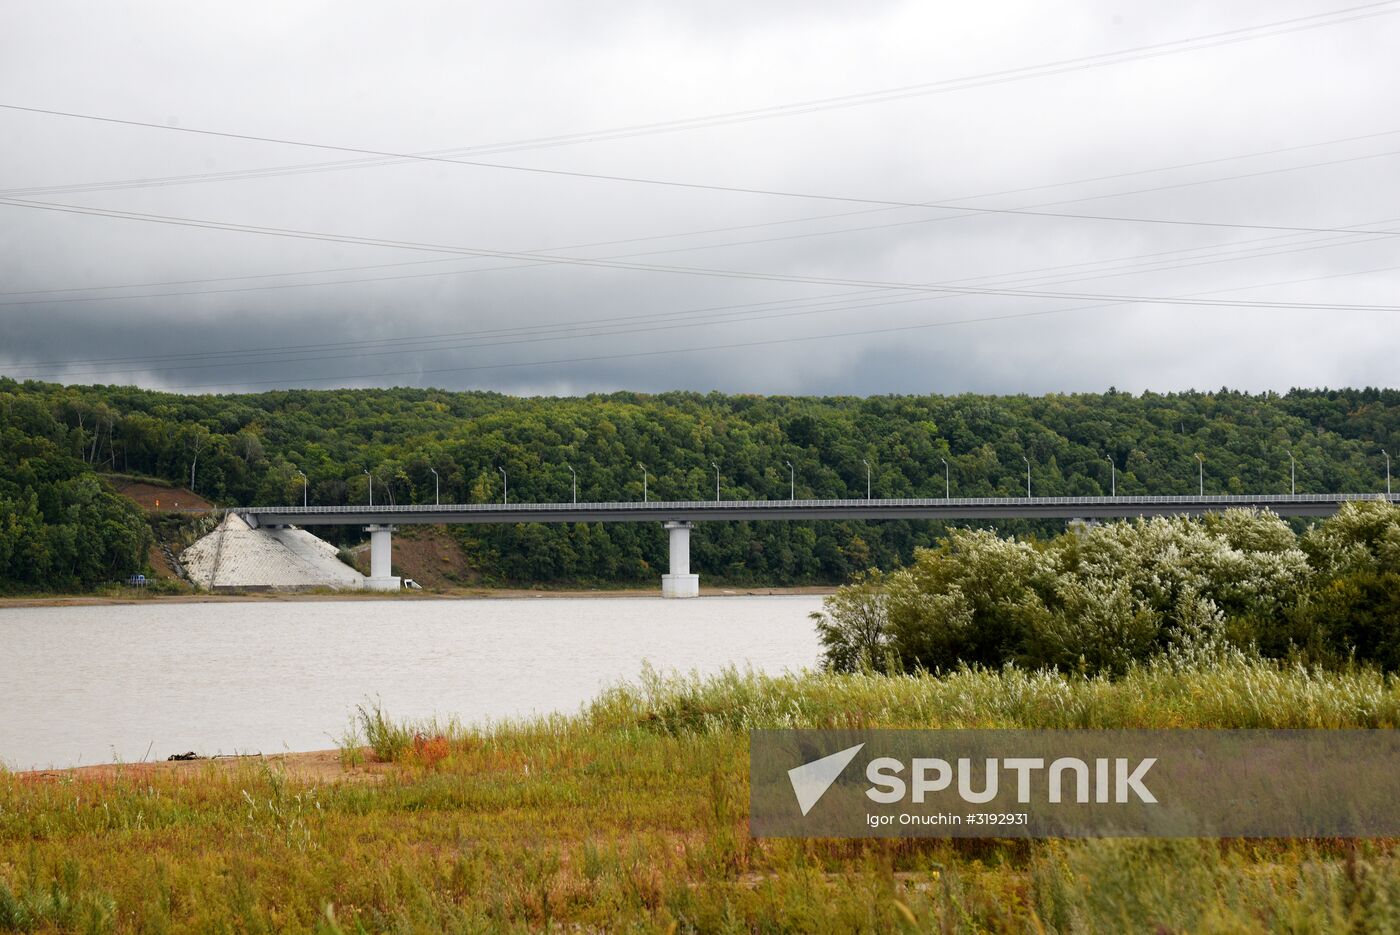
column 248, row 449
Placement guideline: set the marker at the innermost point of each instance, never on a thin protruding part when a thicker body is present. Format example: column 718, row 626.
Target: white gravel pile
column 237, row 556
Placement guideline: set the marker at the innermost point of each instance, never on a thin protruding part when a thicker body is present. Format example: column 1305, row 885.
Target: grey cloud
column 430, row 77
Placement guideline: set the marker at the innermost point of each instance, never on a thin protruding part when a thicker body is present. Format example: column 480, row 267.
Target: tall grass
column 631, row 816
column 59, row 900
column 389, row 741
column 1234, row 692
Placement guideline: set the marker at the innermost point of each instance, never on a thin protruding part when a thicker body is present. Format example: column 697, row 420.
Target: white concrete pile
column 238, row 556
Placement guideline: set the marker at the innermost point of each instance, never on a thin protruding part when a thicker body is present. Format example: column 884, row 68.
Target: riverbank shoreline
column 456, row 594
column 315, row 766
column 634, row 814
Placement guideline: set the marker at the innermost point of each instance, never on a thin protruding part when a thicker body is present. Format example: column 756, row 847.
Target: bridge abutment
column 381, row 564
column 680, row 582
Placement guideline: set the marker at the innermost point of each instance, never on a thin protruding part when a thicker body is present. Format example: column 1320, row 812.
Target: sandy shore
column 104, row 600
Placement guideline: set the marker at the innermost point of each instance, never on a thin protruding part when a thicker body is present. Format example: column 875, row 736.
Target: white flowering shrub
column 1361, row 537
column 1353, row 607
column 971, row 600
column 1242, row 561
column 1096, row 626
column 1103, row 598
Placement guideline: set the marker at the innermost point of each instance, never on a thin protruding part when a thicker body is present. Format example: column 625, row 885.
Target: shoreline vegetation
column 631, row 815
column 1102, row 598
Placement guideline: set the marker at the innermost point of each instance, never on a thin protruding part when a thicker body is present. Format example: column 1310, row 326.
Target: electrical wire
column 576, row 331
column 1035, row 276
column 1044, row 69
column 420, row 372
column 736, row 189
column 712, row 315
column 884, row 206
column 651, row 238
column 601, row 263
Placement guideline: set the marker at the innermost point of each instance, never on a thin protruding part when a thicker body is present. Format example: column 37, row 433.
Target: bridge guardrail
column 699, row 506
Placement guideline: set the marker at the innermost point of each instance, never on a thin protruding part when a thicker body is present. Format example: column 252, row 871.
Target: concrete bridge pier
column 680, row 582
column 381, row 559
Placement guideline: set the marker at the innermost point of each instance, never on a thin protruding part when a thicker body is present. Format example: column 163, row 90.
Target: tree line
column 256, row 449
column 61, row 527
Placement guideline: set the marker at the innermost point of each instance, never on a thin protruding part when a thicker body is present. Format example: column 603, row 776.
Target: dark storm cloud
column 449, row 76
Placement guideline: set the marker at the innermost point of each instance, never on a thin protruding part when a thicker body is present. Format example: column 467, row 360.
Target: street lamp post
column 1292, row 473
column 1201, row 472
column 1112, row 477
column 573, row 481
column 644, row 482
column 1028, row 474
column 947, row 481
column 867, row 477
column 1387, row 472
column 505, row 486
column 437, row 488
column 716, row 467
column 303, row 490
column 792, row 481
column 371, row 487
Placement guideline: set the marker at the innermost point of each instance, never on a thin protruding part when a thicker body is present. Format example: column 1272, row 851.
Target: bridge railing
column 698, row 506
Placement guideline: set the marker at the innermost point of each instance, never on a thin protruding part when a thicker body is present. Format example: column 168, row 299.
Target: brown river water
column 87, row 685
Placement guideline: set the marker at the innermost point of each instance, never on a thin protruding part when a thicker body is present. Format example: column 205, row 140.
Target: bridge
column 678, row 516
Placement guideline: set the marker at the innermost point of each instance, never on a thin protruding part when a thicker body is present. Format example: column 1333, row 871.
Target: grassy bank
column 632, row 816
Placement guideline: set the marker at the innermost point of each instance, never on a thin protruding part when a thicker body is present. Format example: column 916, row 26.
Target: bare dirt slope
column 159, row 561
column 428, row 555
column 157, row 499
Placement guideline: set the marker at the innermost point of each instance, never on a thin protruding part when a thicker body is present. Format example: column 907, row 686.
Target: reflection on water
column 94, row 684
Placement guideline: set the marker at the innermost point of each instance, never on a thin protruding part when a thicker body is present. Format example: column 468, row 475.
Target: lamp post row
column 792, row 479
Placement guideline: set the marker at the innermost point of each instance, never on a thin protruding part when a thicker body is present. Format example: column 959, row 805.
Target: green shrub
column 1102, row 599
column 61, row 902
column 852, row 626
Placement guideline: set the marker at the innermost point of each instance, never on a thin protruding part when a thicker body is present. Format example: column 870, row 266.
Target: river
column 86, row 685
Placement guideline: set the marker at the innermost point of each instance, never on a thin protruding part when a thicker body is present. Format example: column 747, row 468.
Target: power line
column 651, row 238
column 891, row 205
column 574, row 260
column 736, row 189
column 723, row 245
column 1020, row 277
column 659, row 322
column 1044, row 69
column 555, row 331
column 715, row 347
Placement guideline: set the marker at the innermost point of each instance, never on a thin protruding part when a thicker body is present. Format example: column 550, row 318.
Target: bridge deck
column 694, row 510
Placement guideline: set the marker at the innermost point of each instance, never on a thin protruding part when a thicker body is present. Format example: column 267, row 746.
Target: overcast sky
column 1242, row 118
